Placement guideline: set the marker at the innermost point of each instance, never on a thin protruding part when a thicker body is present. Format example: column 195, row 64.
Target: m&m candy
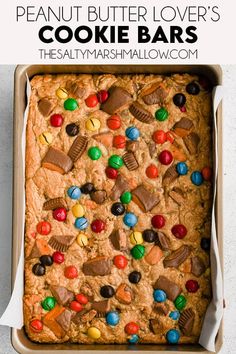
column 119, row 142
column 91, row 101
column 43, row 228
column 72, row 129
column 179, row 231
column 192, row 88
column 179, row 99
column 92, row 124
column 159, row 136
column 36, row 326
column 182, row 168
column 87, row 188
column 206, row 173
column 131, row 328
column 112, row 318
column 180, row 302
column 126, row 198
column 71, row 272
column 192, row 286
column 172, row 336
column 135, row 277
column 114, row 122
column 59, row 214
column 130, row 219
column 62, row 93
column 94, row 333
column 196, row 178
column 133, row 339
column 136, row 238
column 174, row 315
column 76, row 306
column 161, row 114
column 78, row 210
column 70, row 104
column 149, row 235
column 74, row 192
column 120, row 261
column 38, row 269
column 81, row 223
column 152, row 171
column 102, row 96
column 132, row 133
column 45, row 138
column 115, row 161
column 94, row 153
column 159, row 295
column 48, row 303
column 82, row 299
column 58, row 257
column 165, row 157
column 56, row 120
column 138, row 251
column 82, row 240
column 158, row 221
column 206, row 243
column 46, row 260
column 98, row 226
column 111, row 172
column 117, row 209
column 107, row 291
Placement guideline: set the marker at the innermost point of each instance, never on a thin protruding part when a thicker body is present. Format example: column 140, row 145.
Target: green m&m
column 161, row 114
column 94, row 153
column 115, row 161
column 126, row 198
column 70, row 104
column 48, row 303
column 138, row 251
column 180, row 302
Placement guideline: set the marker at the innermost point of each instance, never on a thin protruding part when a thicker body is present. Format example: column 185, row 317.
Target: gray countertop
column 6, row 143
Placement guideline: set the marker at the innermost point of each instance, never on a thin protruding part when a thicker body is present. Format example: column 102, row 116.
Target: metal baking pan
column 20, row 341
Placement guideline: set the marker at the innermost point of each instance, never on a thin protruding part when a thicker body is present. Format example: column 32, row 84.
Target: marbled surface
column 6, row 143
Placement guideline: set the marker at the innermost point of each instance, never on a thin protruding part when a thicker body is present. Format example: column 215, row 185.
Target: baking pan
column 20, row 341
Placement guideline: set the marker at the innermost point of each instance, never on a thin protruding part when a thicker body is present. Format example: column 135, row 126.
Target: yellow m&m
column 94, row 333
column 92, row 124
column 78, row 211
column 136, row 238
column 45, row 138
column 61, row 93
column 82, row 240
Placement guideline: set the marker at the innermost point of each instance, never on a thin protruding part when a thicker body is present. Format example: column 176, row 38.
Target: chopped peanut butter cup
column 57, row 160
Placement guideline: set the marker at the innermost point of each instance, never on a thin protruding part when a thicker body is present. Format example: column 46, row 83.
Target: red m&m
column 111, row 172
column 192, row 286
column 91, row 101
column 76, row 306
column 206, row 173
column 158, row 221
column 119, row 141
column 71, row 272
column 59, row 214
column 43, row 228
column 82, row 299
column 114, row 122
column 120, row 261
column 165, row 157
column 56, row 120
column 152, row 171
column 159, row 136
column 131, row 328
column 179, row 231
column 102, row 96
column 36, row 326
column 98, row 225
column 58, row 257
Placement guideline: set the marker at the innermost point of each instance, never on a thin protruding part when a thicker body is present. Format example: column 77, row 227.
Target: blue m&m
column 112, row 318
column 74, row 192
column 132, row 133
column 130, row 219
column 133, row 339
column 159, row 295
column 196, row 178
column 182, row 168
column 172, row 336
column 81, row 223
column 174, row 315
